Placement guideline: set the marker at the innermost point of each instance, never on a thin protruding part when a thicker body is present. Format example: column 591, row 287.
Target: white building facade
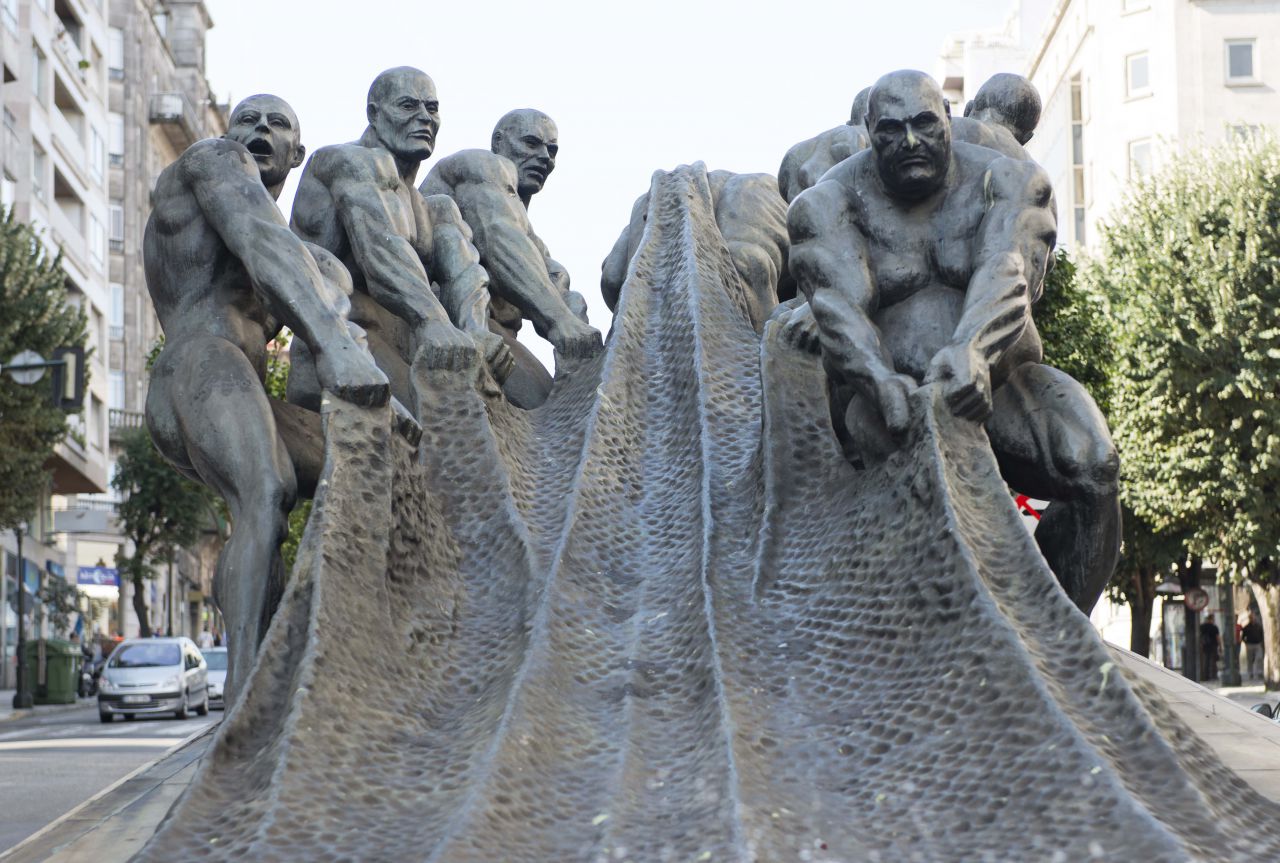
column 1125, row 84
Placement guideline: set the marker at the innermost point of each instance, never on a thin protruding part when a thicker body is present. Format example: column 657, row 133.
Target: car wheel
column 182, row 712
column 105, row 717
column 203, row 709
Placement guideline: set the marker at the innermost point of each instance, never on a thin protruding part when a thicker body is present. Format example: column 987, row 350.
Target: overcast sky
column 633, row 87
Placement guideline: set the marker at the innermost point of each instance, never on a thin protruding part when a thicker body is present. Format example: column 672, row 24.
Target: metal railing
column 66, row 45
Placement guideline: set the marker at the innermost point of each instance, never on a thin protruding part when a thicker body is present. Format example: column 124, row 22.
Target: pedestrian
column 1251, row 635
column 1210, row 641
column 205, row 639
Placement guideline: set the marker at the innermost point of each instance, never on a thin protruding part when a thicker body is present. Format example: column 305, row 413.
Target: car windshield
column 217, row 660
column 146, row 656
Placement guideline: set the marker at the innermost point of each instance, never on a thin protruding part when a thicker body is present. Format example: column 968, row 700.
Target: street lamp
column 27, row 368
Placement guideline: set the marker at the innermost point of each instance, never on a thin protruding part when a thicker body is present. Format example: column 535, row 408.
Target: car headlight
column 105, row 684
column 174, row 682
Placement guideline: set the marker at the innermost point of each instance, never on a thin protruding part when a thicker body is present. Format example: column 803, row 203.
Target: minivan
column 154, row 675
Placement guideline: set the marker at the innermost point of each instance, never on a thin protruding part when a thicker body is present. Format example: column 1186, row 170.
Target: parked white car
column 154, row 675
column 216, row 657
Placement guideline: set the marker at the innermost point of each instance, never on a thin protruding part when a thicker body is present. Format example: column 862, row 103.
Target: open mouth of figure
column 260, row 147
column 425, row 137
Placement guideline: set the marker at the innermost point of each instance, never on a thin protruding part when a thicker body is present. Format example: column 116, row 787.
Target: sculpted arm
column 393, row 272
column 226, row 185
column 829, row 263
column 1011, row 253
column 516, row 264
column 464, row 285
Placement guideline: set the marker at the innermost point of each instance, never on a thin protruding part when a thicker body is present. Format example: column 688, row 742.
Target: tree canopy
column 35, row 314
column 160, row 511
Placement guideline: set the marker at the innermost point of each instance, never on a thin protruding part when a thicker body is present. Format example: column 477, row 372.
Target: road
column 51, row 764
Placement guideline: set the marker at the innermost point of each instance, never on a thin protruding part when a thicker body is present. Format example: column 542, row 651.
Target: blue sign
column 31, row 575
column 100, row 575
column 55, row 569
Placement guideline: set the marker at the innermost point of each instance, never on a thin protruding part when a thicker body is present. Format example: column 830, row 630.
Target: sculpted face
column 529, row 139
column 404, row 112
column 269, row 130
column 910, row 134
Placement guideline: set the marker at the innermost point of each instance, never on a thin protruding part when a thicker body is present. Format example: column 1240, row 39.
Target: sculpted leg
column 1052, row 443
column 231, row 439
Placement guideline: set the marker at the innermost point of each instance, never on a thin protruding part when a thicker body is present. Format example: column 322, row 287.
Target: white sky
column 633, row 87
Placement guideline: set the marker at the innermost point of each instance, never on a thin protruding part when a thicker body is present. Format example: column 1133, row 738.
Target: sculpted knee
column 1092, row 468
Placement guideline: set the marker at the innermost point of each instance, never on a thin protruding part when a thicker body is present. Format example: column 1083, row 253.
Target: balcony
column 175, row 113
column 66, row 46
column 121, row 420
column 87, row 516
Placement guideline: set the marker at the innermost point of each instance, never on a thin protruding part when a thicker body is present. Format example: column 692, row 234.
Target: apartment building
column 97, row 101
column 53, row 102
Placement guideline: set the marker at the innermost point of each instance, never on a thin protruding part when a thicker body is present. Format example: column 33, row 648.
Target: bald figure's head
column 268, row 128
column 528, row 138
column 858, row 113
column 404, row 112
column 910, row 134
column 1008, row 100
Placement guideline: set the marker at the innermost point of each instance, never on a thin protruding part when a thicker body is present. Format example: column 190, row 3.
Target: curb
column 66, row 816
column 45, row 710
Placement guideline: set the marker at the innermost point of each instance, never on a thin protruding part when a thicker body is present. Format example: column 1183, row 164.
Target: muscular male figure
column 225, row 273
column 358, row 201
column 921, row 260
column 492, row 189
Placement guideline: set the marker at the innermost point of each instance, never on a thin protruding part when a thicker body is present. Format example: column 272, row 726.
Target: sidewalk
column 1246, row 695
column 7, row 712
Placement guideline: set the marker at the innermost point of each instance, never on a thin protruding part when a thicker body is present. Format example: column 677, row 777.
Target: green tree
column 1075, row 326
column 1190, row 268
column 160, row 513
column 34, row 315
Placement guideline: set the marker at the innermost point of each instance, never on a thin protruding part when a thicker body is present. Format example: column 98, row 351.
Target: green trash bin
column 61, row 671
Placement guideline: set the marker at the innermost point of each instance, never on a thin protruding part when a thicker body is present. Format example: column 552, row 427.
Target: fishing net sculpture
column 660, row 618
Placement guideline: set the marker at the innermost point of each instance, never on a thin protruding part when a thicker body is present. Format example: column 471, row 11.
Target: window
column 97, row 154
column 115, row 390
column 115, row 323
column 116, row 212
column 8, row 192
column 97, row 241
column 38, row 86
column 1246, row 132
column 1138, row 74
column 10, row 14
column 115, row 54
column 39, row 172
column 115, row 138
column 1139, row 158
column 161, row 18
column 1077, row 158
column 1241, row 61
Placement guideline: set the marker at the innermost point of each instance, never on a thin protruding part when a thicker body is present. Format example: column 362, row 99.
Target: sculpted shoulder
column 470, row 166
column 1004, row 178
column 353, row 162
column 210, row 158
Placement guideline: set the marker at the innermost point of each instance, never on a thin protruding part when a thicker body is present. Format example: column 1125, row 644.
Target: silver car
column 216, row 657
column 154, row 675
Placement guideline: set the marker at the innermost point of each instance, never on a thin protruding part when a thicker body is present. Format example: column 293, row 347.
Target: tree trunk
column 140, row 606
column 1268, row 597
column 1142, row 601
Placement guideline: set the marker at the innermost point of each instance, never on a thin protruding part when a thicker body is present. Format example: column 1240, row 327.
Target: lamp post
column 22, row 697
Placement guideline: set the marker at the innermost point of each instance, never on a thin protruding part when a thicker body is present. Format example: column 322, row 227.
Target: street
column 51, row 764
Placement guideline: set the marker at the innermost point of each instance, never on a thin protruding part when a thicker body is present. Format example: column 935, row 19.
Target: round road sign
column 26, row 377
column 1196, row 599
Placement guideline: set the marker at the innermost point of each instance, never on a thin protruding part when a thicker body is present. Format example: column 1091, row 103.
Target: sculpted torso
column 198, row 286
column 355, row 170
column 921, row 259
